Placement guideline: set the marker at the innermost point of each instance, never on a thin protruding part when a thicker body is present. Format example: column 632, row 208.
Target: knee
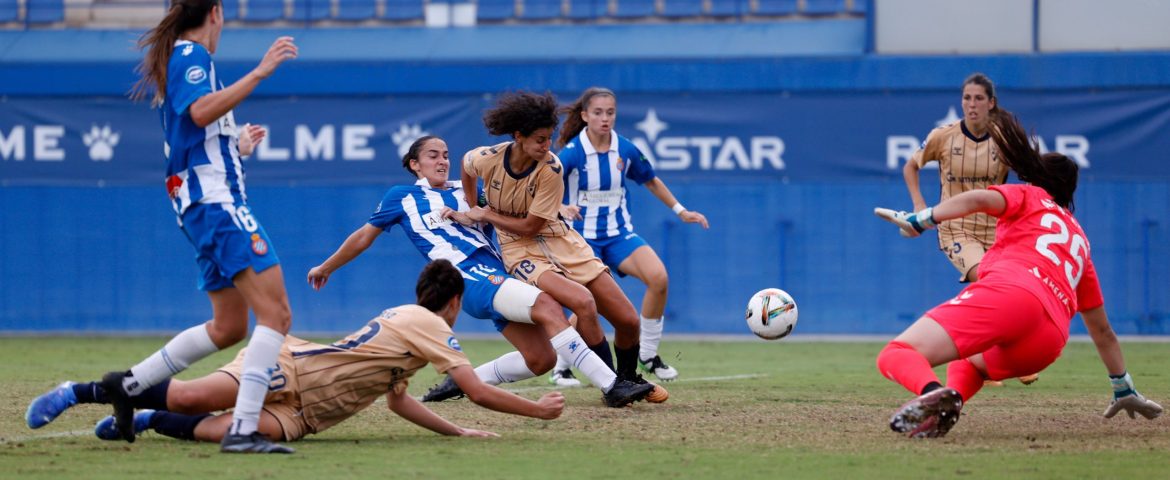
column 584, row 307
column 225, row 332
column 658, row 281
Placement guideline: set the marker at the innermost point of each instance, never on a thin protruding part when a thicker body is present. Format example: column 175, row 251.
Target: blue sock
column 176, row 425
column 602, row 351
column 89, row 393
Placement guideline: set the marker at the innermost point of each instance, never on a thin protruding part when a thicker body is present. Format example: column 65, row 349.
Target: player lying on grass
column 1014, row 321
column 317, row 386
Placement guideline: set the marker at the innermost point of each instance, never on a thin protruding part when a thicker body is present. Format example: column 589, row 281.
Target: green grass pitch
column 755, row 409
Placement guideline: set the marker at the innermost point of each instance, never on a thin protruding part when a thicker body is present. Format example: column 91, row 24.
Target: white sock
column 510, row 367
column 651, row 335
column 562, row 363
column 188, row 347
column 259, row 361
column 571, row 346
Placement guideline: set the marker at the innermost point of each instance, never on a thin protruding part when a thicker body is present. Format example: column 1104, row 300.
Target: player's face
column 432, row 162
column 536, row 146
column 977, row 105
column 600, row 115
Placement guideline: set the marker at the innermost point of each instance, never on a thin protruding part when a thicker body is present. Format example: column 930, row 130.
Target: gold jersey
column 536, row 191
column 333, row 382
column 965, row 163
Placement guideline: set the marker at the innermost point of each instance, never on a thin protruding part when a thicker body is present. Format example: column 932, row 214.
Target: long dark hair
column 412, row 153
column 982, row 80
column 159, row 41
column 1054, row 172
column 523, row 112
column 573, row 122
column 438, row 283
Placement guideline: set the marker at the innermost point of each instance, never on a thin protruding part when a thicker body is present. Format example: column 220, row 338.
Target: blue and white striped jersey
column 417, row 207
column 596, row 182
column 203, row 163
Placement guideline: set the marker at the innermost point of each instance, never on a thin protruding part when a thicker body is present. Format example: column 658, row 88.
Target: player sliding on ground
column 315, row 387
column 1014, row 321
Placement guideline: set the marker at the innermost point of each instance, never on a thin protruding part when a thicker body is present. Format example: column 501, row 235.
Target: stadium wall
column 88, row 242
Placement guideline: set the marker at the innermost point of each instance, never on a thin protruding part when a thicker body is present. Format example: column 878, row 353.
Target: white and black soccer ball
column 771, row 314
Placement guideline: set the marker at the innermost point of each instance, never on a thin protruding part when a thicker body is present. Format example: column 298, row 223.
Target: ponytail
column 159, row 41
column 1054, row 172
column 573, row 121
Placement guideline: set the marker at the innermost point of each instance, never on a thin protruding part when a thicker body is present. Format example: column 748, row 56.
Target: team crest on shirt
column 195, row 74
column 621, row 164
column 495, row 279
column 454, row 344
column 531, row 189
column 259, row 246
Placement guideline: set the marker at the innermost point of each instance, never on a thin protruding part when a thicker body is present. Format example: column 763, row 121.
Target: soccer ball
column 771, row 314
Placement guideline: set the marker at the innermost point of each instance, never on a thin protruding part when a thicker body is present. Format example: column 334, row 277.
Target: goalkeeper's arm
column 1125, row 396
column 961, row 205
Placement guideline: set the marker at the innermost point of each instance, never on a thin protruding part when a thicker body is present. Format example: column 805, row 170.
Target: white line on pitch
column 45, row 436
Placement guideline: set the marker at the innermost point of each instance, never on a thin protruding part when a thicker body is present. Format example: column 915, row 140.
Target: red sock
column 964, row 378
column 903, row 364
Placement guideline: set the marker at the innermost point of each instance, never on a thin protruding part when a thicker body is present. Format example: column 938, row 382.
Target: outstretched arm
column 407, row 407
column 548, row 407
column 961, row 205
column 658, row 188
column 1125, row 396
column 358, row 242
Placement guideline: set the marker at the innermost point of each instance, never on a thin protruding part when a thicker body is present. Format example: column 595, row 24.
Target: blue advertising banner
column 355, row 140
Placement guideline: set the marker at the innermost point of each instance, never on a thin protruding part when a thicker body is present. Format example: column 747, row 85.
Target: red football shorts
column 1005, row 323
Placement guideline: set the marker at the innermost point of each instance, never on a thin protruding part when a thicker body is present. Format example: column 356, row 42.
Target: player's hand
column 477, row 214
column 457, row 216
column 471, row 432
column 910, row 225
column 282, row 49
column 691, row 216
column 571, row 212
column 551, row 405
column 318, row 276
column 1134, row 403
column 250, row 136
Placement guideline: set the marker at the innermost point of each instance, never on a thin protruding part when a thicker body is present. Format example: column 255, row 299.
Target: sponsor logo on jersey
column 454, row 344
column 259, row 246
column 196, row 74
column 188, row 49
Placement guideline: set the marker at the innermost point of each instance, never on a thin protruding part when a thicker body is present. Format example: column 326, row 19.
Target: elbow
column 199, row 118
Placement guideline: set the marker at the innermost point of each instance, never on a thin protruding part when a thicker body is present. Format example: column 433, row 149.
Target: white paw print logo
column 406, row 135
column 101, row 142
